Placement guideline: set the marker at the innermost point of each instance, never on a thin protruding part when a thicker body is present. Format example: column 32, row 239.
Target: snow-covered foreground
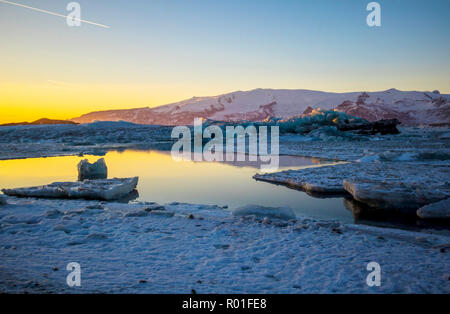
column 142, row 248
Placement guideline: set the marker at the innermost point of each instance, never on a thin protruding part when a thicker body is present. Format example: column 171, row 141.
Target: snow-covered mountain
column 411, row 108
column 256, row 105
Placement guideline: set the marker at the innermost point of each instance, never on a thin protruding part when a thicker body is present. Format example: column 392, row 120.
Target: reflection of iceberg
column 107, row 189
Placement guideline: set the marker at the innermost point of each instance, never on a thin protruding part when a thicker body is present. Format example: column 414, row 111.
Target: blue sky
column 166, row 50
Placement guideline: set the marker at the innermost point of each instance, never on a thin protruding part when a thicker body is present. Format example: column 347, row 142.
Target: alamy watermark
column 374, row 17
column 73, row 279
column 374, row 278
column 233, row 148
column 74, row 17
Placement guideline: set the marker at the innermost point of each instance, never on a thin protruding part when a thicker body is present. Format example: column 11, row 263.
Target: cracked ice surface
column 386, row 185
column 207, row 249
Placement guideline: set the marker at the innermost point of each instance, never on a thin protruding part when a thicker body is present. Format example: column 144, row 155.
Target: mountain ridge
column 41, row 121
column 410, row 107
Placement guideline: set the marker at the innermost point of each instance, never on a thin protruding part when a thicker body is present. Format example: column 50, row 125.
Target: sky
column 160, row 51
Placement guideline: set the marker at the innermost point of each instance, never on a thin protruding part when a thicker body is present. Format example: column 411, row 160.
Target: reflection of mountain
column 285, row 161
column 409, row 107
column 40, row 122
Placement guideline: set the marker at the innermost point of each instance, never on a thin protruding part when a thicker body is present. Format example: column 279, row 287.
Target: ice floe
column 320, row 180
column 438, row 210
column 106, row 189
column 387, row 185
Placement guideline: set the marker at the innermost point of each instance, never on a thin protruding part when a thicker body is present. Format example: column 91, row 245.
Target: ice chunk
column 106, row 189
column 284, row 213
column 436, row 210
column 96, row 170
column 384, row 185
column 401, row 196
column 332, row 123
column 319, row 180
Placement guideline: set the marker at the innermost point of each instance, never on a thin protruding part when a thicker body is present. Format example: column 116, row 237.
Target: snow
column 214, row 252
column 105, row 189
column 96, row 170
column 438, row 210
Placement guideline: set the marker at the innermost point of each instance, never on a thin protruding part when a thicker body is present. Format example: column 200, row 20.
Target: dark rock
column 371, row 128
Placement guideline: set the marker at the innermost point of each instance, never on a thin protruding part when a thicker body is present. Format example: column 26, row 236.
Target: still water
column 164, row 180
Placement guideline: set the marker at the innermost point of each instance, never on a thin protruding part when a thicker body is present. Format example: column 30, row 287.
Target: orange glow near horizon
column 59, row 100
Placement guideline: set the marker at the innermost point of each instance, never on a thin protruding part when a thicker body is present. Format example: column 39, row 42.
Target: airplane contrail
column 52, row 13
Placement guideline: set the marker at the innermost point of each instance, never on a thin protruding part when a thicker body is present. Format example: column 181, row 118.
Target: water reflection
column 163, row 180
column 366, row 215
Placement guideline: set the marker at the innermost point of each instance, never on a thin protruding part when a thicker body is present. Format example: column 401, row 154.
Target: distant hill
column 411, row 107
column 40, row 122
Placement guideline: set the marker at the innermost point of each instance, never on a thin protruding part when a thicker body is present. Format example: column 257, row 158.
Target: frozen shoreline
column 393, row 186
column 125, row 248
